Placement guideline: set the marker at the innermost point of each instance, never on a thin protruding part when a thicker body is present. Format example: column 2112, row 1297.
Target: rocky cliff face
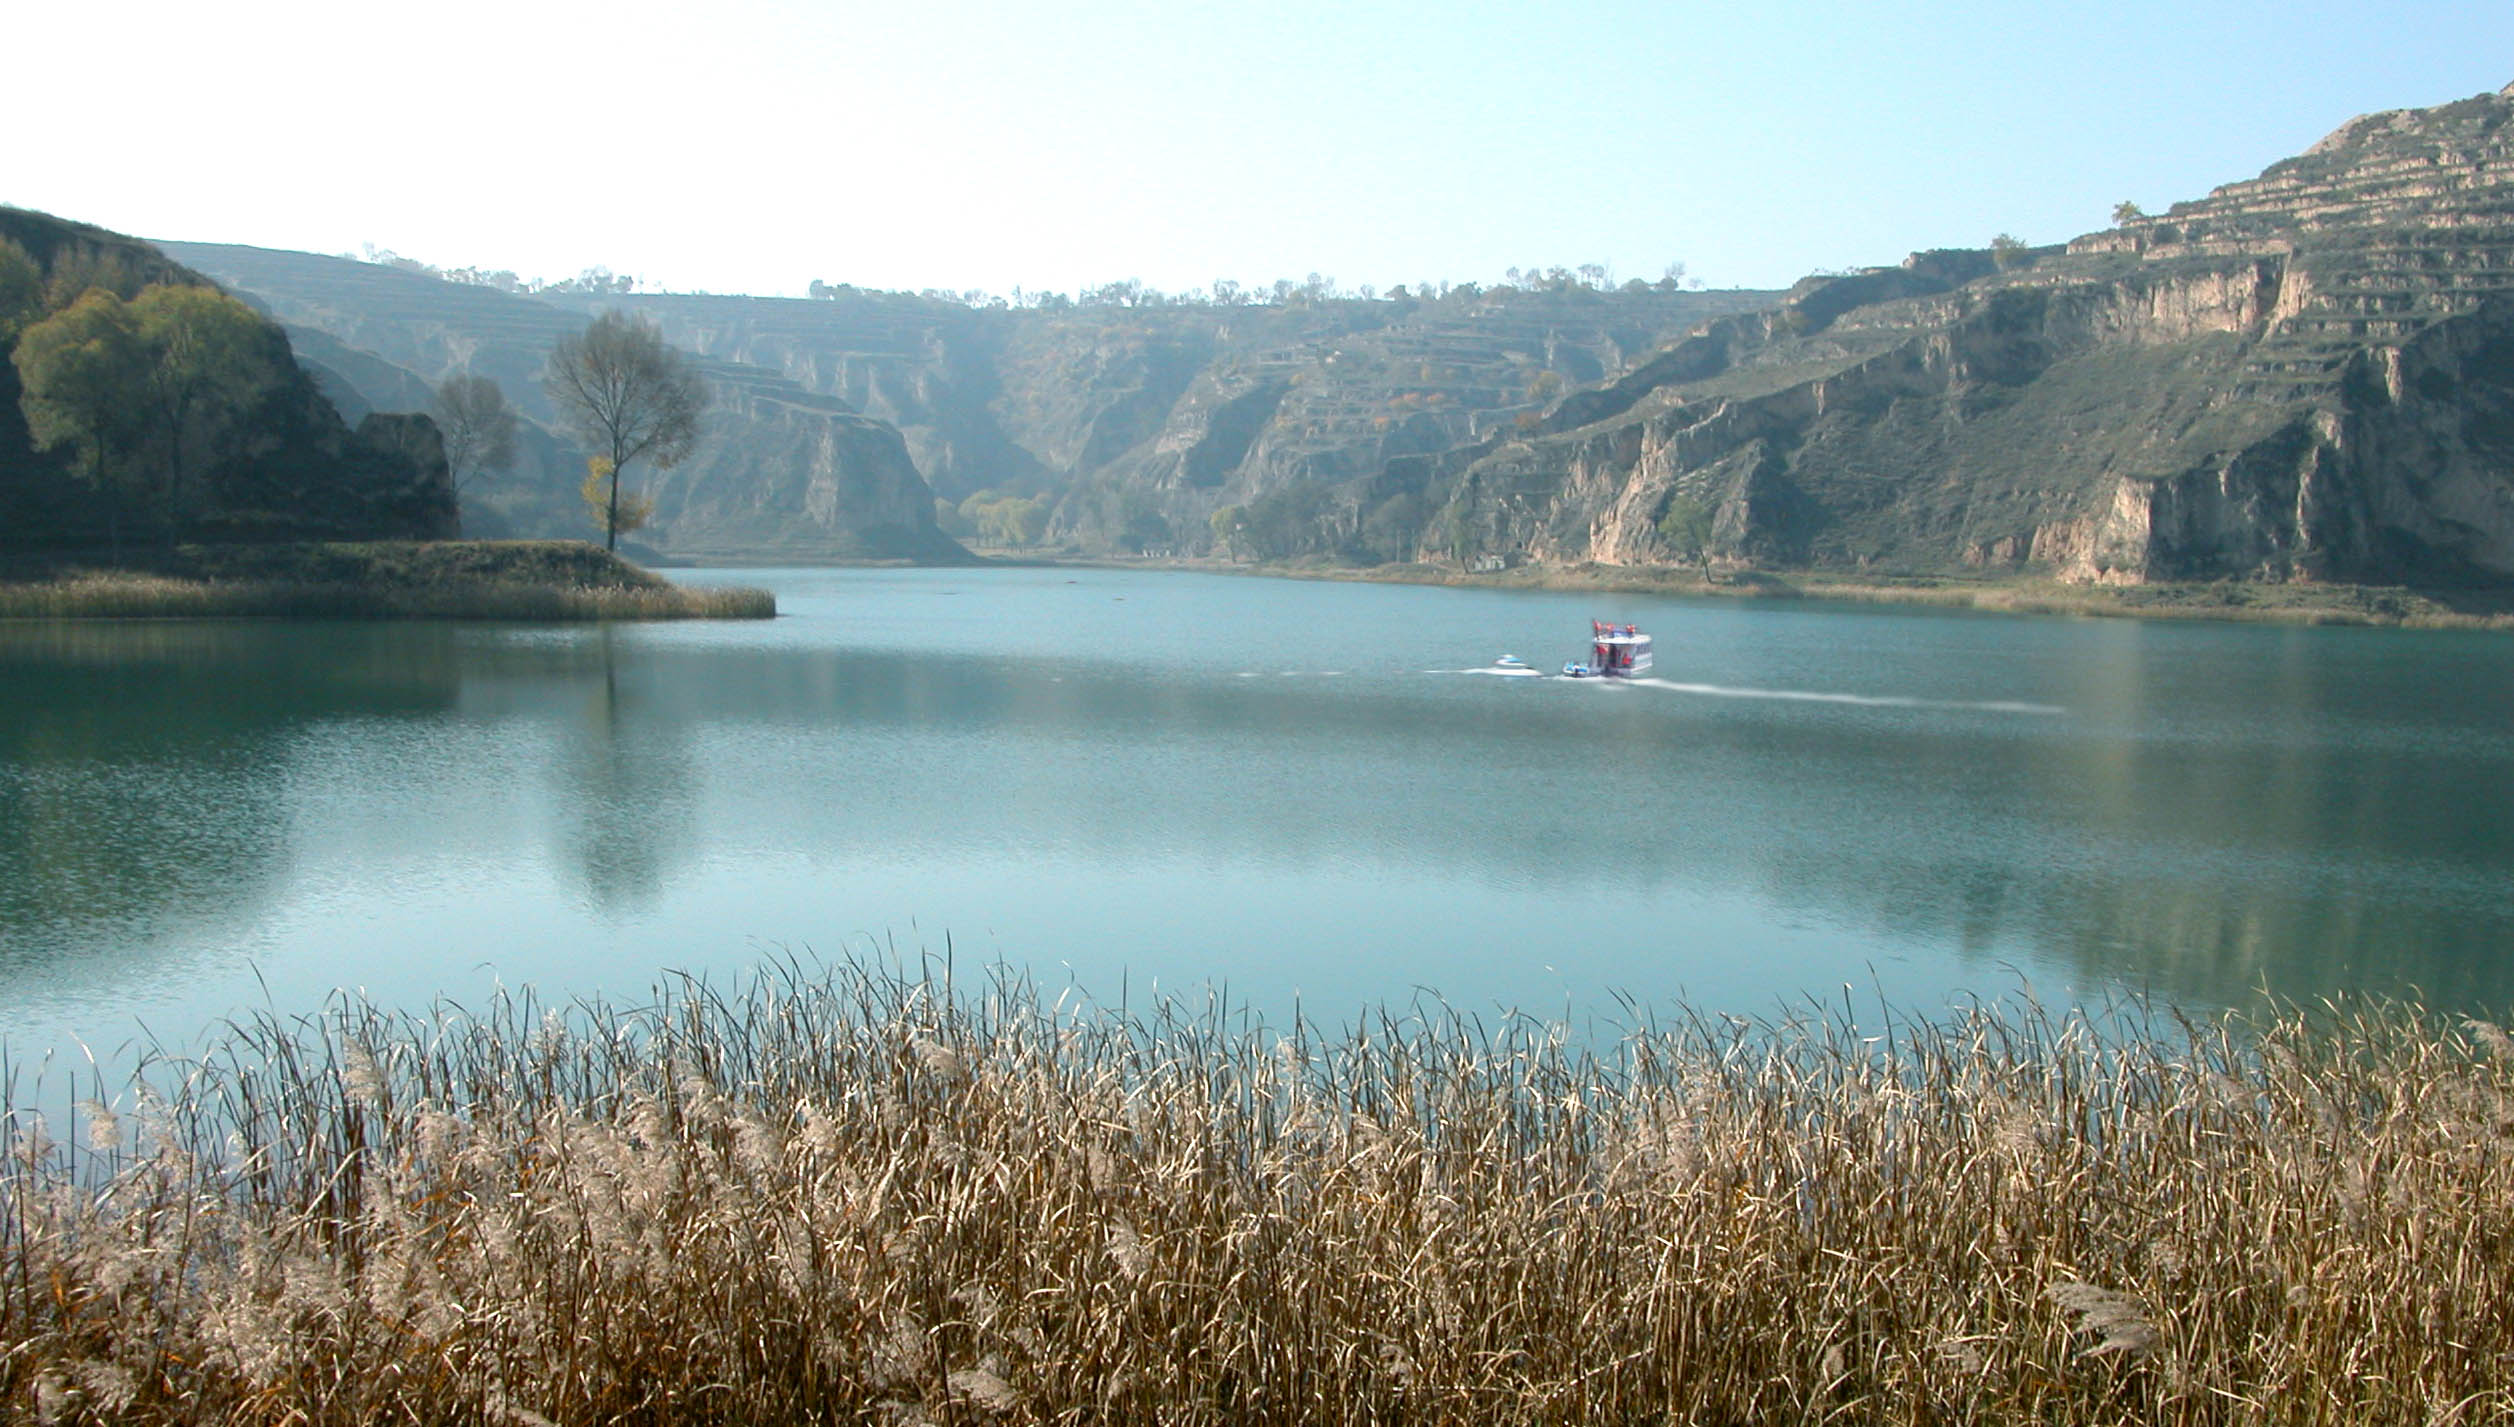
column 787, row 474
column 1140, row 422
column 2309, row 375
column 780, row 471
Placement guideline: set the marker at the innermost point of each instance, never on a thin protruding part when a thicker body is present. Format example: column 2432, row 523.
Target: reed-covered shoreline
column 2233, row 601
column 852, row 1195
column 453, row 579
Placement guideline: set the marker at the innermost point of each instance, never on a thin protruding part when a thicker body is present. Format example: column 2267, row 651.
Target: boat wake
column 1869, row 701
column 1800, row 696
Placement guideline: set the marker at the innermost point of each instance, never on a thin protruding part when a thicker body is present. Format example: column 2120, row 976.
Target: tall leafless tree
column 477, row 425
column 628, row 396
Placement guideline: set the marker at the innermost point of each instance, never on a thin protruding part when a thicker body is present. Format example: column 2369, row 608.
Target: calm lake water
column 1130, row 781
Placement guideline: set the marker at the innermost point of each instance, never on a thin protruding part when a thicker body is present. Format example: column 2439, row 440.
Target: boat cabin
column 1616, row 651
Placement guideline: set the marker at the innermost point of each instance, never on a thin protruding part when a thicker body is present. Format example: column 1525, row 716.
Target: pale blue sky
column 754, row 145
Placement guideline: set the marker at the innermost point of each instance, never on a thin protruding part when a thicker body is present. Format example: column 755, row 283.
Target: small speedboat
column 1510, row 661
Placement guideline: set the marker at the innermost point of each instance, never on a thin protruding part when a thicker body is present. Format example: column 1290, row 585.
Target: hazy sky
column 755, row 145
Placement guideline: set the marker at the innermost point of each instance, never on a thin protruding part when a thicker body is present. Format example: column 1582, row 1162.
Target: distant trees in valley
column 628, row 397
column 1311, row 290
column 593, row 281
column 1001, row 519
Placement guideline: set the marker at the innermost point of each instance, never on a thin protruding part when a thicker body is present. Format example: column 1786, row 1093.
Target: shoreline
column 532, row 580
column 2364, row 606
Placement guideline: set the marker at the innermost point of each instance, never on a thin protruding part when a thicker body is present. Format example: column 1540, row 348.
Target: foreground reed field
column 854, row 1196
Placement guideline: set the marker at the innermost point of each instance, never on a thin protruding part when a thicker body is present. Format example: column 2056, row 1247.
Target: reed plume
column 857, row 1194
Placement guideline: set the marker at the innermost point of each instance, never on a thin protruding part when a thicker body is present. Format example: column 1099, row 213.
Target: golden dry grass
column 143, row 596
column 852, row 1196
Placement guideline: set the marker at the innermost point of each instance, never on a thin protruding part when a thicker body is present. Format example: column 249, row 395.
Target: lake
column 1320, row 794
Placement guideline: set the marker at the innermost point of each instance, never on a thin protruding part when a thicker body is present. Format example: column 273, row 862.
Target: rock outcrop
column 2309, row 375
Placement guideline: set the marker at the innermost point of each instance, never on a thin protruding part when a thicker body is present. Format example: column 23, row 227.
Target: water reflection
column 2217, row 810
column 142, row 782
column 624, row 784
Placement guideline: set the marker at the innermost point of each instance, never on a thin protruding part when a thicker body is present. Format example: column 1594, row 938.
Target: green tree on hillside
column 21, row 291
column 77, row 271
column 1392, row 527
column 1229, row 525
column 148, row 392
column 1685, row 528
column 629, row 397
column 210, row 359
column 83, row 381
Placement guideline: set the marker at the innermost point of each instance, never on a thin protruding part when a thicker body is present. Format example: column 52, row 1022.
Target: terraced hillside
column 779, row 470
column 1136, row 422
column 2308, row 375
column 1140, row 422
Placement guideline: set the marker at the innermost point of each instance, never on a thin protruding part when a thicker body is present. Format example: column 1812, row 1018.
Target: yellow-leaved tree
column 615, row 511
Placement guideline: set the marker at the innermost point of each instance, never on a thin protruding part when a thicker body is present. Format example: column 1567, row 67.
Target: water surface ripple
column 1135, row 780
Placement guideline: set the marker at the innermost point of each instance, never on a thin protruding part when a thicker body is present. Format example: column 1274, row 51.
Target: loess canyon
column 2308, row 375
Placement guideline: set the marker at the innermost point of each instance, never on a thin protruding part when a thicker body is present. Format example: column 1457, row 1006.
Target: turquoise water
column 1133, row 782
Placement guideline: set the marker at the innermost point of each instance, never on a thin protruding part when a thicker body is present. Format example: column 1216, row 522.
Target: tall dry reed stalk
column 851, row 1195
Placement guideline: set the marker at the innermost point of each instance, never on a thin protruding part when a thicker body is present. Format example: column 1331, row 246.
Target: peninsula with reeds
column 370, row 579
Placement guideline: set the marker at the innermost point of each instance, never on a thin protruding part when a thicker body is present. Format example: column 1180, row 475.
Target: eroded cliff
column 2309, row 375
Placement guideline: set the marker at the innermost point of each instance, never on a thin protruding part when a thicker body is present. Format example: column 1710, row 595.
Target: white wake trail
column 1871, row 701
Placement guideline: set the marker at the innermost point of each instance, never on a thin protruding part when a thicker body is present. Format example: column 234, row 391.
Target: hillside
column 2308, row 375
column 2304, row 376
column 778, row 470
column 268, row 459
column 1136, row 422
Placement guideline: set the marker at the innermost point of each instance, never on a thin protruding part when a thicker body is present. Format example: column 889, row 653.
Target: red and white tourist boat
column 1616, row 651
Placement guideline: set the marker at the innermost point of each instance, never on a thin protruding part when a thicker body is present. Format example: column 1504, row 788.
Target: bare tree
column 478, row 426
column 628, row 397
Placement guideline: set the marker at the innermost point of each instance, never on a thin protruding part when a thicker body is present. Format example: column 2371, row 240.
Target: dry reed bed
column 126, row 596
column 850, row 1196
